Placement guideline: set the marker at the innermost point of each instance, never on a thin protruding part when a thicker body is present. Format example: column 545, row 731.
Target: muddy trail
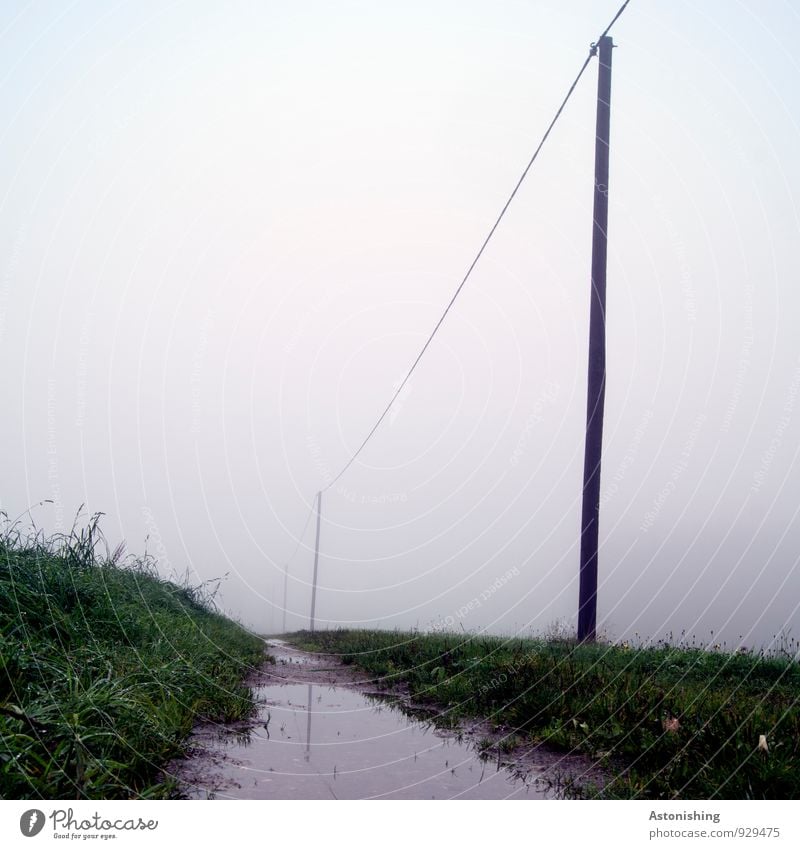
column 325, row 731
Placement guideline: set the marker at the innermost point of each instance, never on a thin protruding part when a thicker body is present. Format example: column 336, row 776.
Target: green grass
column 614, row 703
column 104, row 669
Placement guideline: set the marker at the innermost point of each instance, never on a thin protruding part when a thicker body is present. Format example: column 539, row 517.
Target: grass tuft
column 105, row 667
column 667, row 721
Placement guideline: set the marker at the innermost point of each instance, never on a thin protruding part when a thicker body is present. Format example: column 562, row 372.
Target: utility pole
column 285, row 588
column 587, row 603
column 316, row 564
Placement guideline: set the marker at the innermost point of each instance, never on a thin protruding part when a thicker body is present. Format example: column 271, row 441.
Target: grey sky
column 228, row 228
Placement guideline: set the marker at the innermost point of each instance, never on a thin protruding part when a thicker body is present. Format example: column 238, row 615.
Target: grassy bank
column 668, row 722
column 104, row 669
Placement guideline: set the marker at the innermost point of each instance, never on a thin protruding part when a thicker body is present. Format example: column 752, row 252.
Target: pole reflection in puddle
column 308, row 724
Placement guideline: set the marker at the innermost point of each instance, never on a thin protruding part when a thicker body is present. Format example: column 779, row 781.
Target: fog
column 227, row 230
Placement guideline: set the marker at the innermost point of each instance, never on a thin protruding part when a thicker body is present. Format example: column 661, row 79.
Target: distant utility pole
column 285, row 588
column 316, row 564
column 587, row 603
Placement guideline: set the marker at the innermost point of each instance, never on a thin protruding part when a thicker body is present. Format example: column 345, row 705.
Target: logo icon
column 31, row 822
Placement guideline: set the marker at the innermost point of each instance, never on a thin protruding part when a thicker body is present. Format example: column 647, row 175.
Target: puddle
column 318, row 736
column 332, row 743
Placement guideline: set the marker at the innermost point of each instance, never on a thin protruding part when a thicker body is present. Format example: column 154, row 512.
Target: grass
column 105, row 667
column 667, row 721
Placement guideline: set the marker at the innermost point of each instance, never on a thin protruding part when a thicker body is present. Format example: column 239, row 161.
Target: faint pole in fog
column 285, row 588
column 316, row 564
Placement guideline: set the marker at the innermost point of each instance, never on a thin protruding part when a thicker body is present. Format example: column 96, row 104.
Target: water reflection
column 308, row 723
column 360, row 750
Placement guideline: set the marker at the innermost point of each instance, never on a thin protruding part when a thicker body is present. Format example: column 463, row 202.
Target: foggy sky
column 227, row 229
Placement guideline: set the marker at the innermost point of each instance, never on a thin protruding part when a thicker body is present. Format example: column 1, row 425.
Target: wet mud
column 325, row 731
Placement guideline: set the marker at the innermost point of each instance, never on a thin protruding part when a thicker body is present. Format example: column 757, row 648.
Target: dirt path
column 271, row 753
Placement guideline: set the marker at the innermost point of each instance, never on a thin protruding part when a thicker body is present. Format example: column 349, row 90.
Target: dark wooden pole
column 316, row 563
column 587, row 603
